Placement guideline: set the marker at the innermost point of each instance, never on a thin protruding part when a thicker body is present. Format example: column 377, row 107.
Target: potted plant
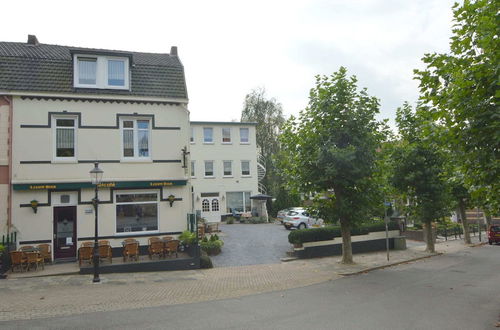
column 187, row 238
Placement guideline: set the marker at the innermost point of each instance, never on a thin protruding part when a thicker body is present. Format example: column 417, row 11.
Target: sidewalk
column 27, row 298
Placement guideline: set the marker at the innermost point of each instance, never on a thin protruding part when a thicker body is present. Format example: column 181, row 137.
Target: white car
column 282, row 213
column 301, row 219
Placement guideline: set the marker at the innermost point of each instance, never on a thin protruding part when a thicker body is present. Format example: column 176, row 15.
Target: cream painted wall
column 218, row 152
column 4, row 134
column 36, row 144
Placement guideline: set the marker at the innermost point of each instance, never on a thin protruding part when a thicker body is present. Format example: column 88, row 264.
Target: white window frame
column 205, row 169
column 54, row 139
column 193, row 169
column 249, row 169
column 222, row 135
column 248, row 136
column 136, row 157
column 243, row 199
column 101, row 72
column 138, row 192
column 224, row 170
column 204, row 137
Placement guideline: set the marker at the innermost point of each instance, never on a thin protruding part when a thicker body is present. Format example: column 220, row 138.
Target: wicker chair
column 45, row 251
column 17, row 260
column 131, row 251
column 85, row 254
column 105, row 252
column 26, row 248
column 155, row 248
column 168, row 238
column 34, row 259
column 171, row 247
column 87, row 244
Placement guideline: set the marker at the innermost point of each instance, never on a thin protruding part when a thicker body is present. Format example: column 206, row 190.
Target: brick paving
column 40, row 297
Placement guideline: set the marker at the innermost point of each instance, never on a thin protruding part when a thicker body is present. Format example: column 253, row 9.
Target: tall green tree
column 419, row 170
column 461, row 90
column 268, row 114
column 331, row 150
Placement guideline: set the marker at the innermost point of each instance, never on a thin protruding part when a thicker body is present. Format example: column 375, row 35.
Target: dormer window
column 103, row 72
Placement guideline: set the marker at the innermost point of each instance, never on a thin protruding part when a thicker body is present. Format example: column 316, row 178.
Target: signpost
column 386, row 220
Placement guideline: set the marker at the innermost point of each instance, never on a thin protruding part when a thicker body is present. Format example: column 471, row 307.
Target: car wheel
column 302, row 226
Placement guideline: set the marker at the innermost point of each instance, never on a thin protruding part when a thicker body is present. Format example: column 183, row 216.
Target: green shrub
column 187, row 237
column 211, row 247
column 256, row 220
column 206, row 262
column 2, row 248
column 330, row 232
column 204, row 239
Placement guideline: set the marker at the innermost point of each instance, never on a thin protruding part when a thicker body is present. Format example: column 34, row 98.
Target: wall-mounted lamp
column 34, row 205
column 171, row 199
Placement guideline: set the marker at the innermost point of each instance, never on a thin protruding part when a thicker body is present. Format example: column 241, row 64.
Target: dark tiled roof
column 49, row 68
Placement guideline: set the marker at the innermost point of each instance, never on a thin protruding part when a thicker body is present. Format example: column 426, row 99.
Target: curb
column 389, row 265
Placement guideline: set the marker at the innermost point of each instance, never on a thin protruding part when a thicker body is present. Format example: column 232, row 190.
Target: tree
column 419, row 169
column 330, row 150
column 268, row 114
column 461, row 90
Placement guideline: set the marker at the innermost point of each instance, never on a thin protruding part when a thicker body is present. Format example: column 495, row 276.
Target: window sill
column 244, row 142
column 204, row 142
column 209, row 177
column 128, row 233
column 246, row 176
column 193, row 177
column 228, row 176
column 227, row 142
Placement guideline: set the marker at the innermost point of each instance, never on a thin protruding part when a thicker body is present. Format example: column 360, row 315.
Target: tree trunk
column 465, row 222
column 487, row 217
column 346, row 242
column 429, row 237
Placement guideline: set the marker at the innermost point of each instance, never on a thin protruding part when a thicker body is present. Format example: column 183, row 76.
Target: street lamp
column 96, row 177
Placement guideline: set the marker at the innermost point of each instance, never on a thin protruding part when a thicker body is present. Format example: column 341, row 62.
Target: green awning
column 107, row 184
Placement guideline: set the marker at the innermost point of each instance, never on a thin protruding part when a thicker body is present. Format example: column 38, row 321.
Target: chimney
column 173, row 51
column 32, row 40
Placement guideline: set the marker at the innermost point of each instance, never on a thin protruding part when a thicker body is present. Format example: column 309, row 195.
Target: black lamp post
column 96, row 177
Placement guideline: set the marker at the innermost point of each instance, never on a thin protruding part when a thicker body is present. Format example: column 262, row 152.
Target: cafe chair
column 17, row 260
column 105, row 252
column 171, row 247
column 155, row 248
column 131, row 251
column 45, row 252
column 33, row 259
column 85, row 254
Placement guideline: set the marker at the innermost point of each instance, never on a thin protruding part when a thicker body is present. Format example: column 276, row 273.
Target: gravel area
column 252, row 244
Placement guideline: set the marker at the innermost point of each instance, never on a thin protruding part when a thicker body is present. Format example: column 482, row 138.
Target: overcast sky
column 229, row 48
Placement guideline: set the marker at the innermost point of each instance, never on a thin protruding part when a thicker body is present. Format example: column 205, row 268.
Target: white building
column 69, row 107
column 224, row 168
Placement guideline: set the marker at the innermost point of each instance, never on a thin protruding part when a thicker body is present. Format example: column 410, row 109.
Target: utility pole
column 386, row 220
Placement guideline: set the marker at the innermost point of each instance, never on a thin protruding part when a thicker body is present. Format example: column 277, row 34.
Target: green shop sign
column 115, row 184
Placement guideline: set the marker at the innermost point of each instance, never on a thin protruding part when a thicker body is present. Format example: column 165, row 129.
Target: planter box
column 360, row 244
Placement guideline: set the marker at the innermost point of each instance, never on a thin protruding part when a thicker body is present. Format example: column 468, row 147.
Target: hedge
column 330, row 232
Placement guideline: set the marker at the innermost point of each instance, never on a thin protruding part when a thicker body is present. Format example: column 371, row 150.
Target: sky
column 229, row 48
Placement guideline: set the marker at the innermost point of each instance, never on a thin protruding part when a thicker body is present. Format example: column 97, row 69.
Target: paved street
column 455, row 291
column 252, row 244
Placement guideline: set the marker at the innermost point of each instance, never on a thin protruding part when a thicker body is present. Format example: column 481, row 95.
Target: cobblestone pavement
column 252, row 244
column 29, row 298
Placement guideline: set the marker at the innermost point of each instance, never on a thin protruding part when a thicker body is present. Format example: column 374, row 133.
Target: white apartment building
column 224, row 168
column 68, row 107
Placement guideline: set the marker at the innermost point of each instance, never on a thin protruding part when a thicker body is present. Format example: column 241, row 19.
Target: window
column 238, row 202
column 87, row 71
column 136, row 138
column 245, row 167
column 244, row 135
column 136, row 212
column 228, row 167
column 192, row 169
column 208, row 135
column 215, row 205
column 101, row 72
column 191, row 138
column 205, row 205
column 209, row 168
column 65, row 138
column 226, row 135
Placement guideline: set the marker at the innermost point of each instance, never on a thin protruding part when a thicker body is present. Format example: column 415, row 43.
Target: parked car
column 282, row 213
column 300, row 219
column 494, row 234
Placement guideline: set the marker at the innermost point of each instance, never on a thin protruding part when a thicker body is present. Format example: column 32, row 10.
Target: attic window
column 103, row 72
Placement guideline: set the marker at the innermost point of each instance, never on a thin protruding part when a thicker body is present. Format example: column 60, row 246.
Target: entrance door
column 210, row 209
column 65, row 232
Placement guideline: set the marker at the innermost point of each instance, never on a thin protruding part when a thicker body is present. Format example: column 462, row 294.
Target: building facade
column 72, row 107
column 224, row 168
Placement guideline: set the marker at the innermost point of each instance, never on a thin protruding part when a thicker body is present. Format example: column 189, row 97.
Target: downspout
column 9, row 154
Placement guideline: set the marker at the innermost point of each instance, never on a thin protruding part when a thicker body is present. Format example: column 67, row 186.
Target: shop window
column 136, row 212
